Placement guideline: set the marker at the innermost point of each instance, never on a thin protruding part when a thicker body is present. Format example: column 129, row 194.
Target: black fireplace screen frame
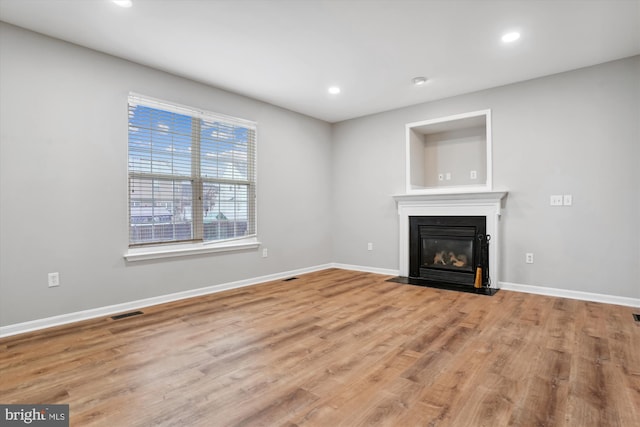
column 452, row 229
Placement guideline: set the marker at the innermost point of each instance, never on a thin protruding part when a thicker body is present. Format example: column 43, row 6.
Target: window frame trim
column 159, row 250
column 175, row 250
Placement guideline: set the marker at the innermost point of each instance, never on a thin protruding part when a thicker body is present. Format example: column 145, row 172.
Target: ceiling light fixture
column 334, row 90
column 419, row 81
column 123, row 3
column 511, row 37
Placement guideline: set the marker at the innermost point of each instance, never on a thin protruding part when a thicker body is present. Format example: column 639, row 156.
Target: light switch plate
column 53, row 279
column 556, row 200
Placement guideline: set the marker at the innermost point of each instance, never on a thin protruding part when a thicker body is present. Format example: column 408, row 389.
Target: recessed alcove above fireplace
column 449, row 154
column 485, row 207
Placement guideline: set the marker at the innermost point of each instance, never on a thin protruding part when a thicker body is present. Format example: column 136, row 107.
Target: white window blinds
column 192, row 174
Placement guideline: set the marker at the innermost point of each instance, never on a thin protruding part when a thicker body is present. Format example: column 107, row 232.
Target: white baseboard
column 366, row 269
column 566, row 293
column 34, row 325
column 63, row 319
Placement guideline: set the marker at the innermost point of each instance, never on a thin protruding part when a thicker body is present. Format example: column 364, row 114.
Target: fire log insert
column 449, row 250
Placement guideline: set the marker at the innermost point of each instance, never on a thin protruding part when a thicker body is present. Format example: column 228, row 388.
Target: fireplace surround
column 462, row 204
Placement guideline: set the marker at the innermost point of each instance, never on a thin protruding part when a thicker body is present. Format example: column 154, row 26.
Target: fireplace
column 449, row 250
column 487, row 205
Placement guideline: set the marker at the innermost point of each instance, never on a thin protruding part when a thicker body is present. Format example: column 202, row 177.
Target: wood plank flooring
column 338, row 348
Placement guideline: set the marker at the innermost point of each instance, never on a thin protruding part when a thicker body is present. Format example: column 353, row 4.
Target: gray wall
column 572, row 133
column 457, row 152
column 63, row 182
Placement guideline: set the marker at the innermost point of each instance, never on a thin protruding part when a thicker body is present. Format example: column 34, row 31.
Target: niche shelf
column 449, row 154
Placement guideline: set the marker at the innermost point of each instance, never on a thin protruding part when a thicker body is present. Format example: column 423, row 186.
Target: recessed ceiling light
column 123, row 3
column 510, row 37
column 334, row 90
column 419, row 81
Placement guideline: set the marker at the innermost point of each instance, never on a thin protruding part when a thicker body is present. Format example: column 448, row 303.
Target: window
column 192, row 174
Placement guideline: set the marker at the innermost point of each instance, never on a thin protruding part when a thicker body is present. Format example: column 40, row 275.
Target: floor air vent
column 290, row 279
column 124, row 315
column 636, row 317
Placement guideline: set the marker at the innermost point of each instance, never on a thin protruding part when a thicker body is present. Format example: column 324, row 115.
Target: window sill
column 174, row 251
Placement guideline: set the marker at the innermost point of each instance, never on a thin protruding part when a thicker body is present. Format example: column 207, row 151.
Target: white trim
column 488, row 185
column 489, row 182
column 566, row 293
column 63, row 319
column 168, row 249
column 454, row 189
column 367, row 269
column 486, row 204
column 450, row 118
column 446, row 198
column 145, row 253
column 174, row 107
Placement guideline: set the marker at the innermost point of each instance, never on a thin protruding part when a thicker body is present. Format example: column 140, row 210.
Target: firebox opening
column 447, row 254
column 449, row 249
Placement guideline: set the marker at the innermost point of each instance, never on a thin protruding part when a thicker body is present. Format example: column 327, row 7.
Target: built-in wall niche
column 449, row 154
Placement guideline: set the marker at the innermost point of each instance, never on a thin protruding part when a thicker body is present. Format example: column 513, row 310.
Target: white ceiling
column 288, row 52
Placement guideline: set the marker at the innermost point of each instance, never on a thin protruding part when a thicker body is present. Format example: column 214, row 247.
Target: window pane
column 160, row 210
column 224, row 149
column 226, row 213
column 159, row 141
column 176, row 152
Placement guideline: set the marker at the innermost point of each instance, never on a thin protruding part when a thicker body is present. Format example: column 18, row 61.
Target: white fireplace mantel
column 484, row 203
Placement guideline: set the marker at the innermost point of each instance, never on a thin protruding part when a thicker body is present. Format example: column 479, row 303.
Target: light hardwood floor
column 339, row 348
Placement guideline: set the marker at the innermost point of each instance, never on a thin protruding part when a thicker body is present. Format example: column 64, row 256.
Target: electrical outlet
column 556, row 200
column 568, row 200
column 447, row 176
column 54, row 280
column 473, row 175
column 528, row 258
column 265, row 253
column 440, row 177
column 369, row 246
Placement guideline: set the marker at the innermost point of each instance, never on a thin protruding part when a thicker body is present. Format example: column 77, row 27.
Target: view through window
column 191, row 174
